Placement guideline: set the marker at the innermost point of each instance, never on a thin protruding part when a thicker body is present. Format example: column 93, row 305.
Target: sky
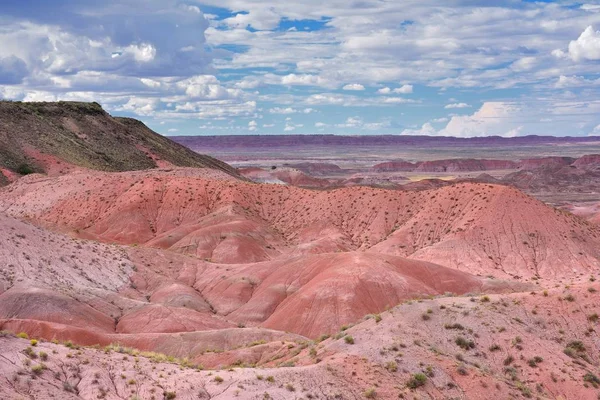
column 460, row 68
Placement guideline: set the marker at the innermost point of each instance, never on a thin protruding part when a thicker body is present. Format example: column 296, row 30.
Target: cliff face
column 58, row 137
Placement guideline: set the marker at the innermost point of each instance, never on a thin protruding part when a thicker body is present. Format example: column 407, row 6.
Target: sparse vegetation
column 464, row 343
column 592, row 379
column 417, row 380
column 370, row 393
column 391, row 366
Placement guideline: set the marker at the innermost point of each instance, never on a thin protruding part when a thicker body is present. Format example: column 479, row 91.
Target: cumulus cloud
column 586, row 47
column 426, row 130
column 404, row 89
column 457, row 105
column 354, row 86
column 493, row 118
column 304, row 80
column 252, row 126
column 290, row 110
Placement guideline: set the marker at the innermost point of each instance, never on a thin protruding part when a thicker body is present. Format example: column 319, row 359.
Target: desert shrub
column 170, row 395
column 533, row 362
column 391, row 366
column 38, row 369
column 464, row 343
column 323, row 337
column 417, row 380
column 218, row 379
column 591, row 378
column 370, row 393
column 22, row 335
column 577, row 345
column 495, row 347
column 25, row 169
column 349, row 339
column 454, row 326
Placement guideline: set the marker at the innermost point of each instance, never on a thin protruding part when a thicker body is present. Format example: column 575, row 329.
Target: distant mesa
column 452, row 165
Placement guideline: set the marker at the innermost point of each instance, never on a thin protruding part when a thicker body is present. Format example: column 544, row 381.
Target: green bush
column 25, row 169
column 417, row 380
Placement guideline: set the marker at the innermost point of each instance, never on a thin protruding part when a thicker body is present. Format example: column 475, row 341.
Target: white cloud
column 354, row 86
column 514, row 132
column 279, row 110
column 575, row 81
column 320, row 125
column 252, row 126
column 150, row 83
column 404, row 89
column 457, row 105
column 326, row 99
column 257, row 18
column 304, row 80
column 248, row 83
column 524, row 64
column 425, row 130
column 586, row 47
column 291, row 110
column 289, row 126
column 493, row 118
column 143, row 53
column 206, row 87
column 398, row 100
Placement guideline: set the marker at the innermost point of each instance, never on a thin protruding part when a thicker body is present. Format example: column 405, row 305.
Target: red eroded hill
column 95, row 293
column 508, row 346
column 477, row 228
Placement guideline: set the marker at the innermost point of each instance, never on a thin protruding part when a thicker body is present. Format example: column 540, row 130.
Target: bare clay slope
column 509, row 346
column 57, row 287
column 477, row 228
column 58, row 137
column 94, row 293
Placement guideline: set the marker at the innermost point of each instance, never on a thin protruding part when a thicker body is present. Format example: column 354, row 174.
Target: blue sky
column 454, row 68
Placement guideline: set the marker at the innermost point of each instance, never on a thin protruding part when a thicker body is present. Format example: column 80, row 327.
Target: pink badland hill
column 476, row 228
column 507, row 346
